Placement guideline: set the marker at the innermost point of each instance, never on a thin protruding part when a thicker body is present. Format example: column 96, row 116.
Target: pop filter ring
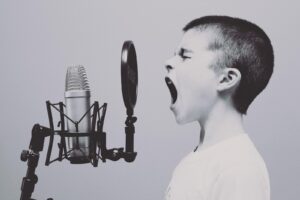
column 129, row 76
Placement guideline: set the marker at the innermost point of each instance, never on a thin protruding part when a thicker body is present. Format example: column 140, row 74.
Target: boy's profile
column 220, row 66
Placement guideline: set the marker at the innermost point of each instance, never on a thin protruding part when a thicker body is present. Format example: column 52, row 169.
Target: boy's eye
column 182, row 55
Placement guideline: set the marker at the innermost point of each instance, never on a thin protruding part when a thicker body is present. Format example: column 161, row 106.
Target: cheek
column 197, row 86
column 198, row 94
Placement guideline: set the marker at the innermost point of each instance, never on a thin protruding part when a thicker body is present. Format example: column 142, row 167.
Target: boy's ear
column 229, row 79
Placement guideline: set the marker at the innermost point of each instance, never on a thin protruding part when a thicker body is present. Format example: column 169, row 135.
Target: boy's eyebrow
column 182, row 51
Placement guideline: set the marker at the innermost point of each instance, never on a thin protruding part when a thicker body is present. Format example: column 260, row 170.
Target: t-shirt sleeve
column 240, row 183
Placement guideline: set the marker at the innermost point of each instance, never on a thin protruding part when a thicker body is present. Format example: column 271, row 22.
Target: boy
column 220, row 66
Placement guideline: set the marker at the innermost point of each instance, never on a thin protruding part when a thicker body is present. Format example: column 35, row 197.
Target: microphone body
column 77, row 100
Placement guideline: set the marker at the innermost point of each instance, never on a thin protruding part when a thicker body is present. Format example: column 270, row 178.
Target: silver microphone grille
column 76, row 79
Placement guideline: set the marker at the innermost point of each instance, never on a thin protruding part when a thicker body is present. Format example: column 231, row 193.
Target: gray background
column 39, row 39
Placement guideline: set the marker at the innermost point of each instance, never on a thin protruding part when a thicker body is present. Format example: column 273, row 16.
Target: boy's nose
column 169, row 64
column 168, row 67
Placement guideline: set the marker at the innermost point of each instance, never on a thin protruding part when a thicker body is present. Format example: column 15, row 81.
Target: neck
column 222, row 123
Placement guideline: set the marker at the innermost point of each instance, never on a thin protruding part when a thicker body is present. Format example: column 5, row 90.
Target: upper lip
column 172, row 89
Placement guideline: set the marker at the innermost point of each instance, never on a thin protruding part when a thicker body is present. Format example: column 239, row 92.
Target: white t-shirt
column 229, row 170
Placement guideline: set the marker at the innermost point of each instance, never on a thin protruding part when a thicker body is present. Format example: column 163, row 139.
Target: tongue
column 172, row 89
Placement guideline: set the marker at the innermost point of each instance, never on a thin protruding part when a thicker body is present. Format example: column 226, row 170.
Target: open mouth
column 172, row 89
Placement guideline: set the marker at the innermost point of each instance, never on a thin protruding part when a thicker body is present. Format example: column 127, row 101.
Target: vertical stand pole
column 32, row 157
column 31, row 178
column 130, row 130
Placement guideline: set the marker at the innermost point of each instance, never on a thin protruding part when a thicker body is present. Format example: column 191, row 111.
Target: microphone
column 77, row 101
column 82, row 123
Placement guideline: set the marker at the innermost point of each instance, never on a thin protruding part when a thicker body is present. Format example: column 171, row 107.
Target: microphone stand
column 38, row 135
column 97, row 143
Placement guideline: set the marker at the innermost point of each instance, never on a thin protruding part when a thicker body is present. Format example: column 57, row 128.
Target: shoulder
column 239, row 152
column 241, row 182
column 242, row 173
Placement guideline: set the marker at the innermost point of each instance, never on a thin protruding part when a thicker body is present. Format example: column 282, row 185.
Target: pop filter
column 129, row 76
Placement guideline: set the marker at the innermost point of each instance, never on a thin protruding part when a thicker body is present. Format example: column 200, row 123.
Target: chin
column 187, row 116
column 181, row 120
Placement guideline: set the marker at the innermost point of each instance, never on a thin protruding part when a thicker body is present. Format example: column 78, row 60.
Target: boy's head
column 219, row 56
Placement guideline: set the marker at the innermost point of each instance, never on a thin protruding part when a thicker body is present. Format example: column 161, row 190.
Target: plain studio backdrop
column 40, row 39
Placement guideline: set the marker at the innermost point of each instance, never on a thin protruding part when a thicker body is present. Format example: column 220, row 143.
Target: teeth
column 172, row 89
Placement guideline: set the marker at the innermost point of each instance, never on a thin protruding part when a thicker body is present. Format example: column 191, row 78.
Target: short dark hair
column 244, row 46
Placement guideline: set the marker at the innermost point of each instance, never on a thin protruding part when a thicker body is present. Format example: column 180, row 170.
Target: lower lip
column 172, row 106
